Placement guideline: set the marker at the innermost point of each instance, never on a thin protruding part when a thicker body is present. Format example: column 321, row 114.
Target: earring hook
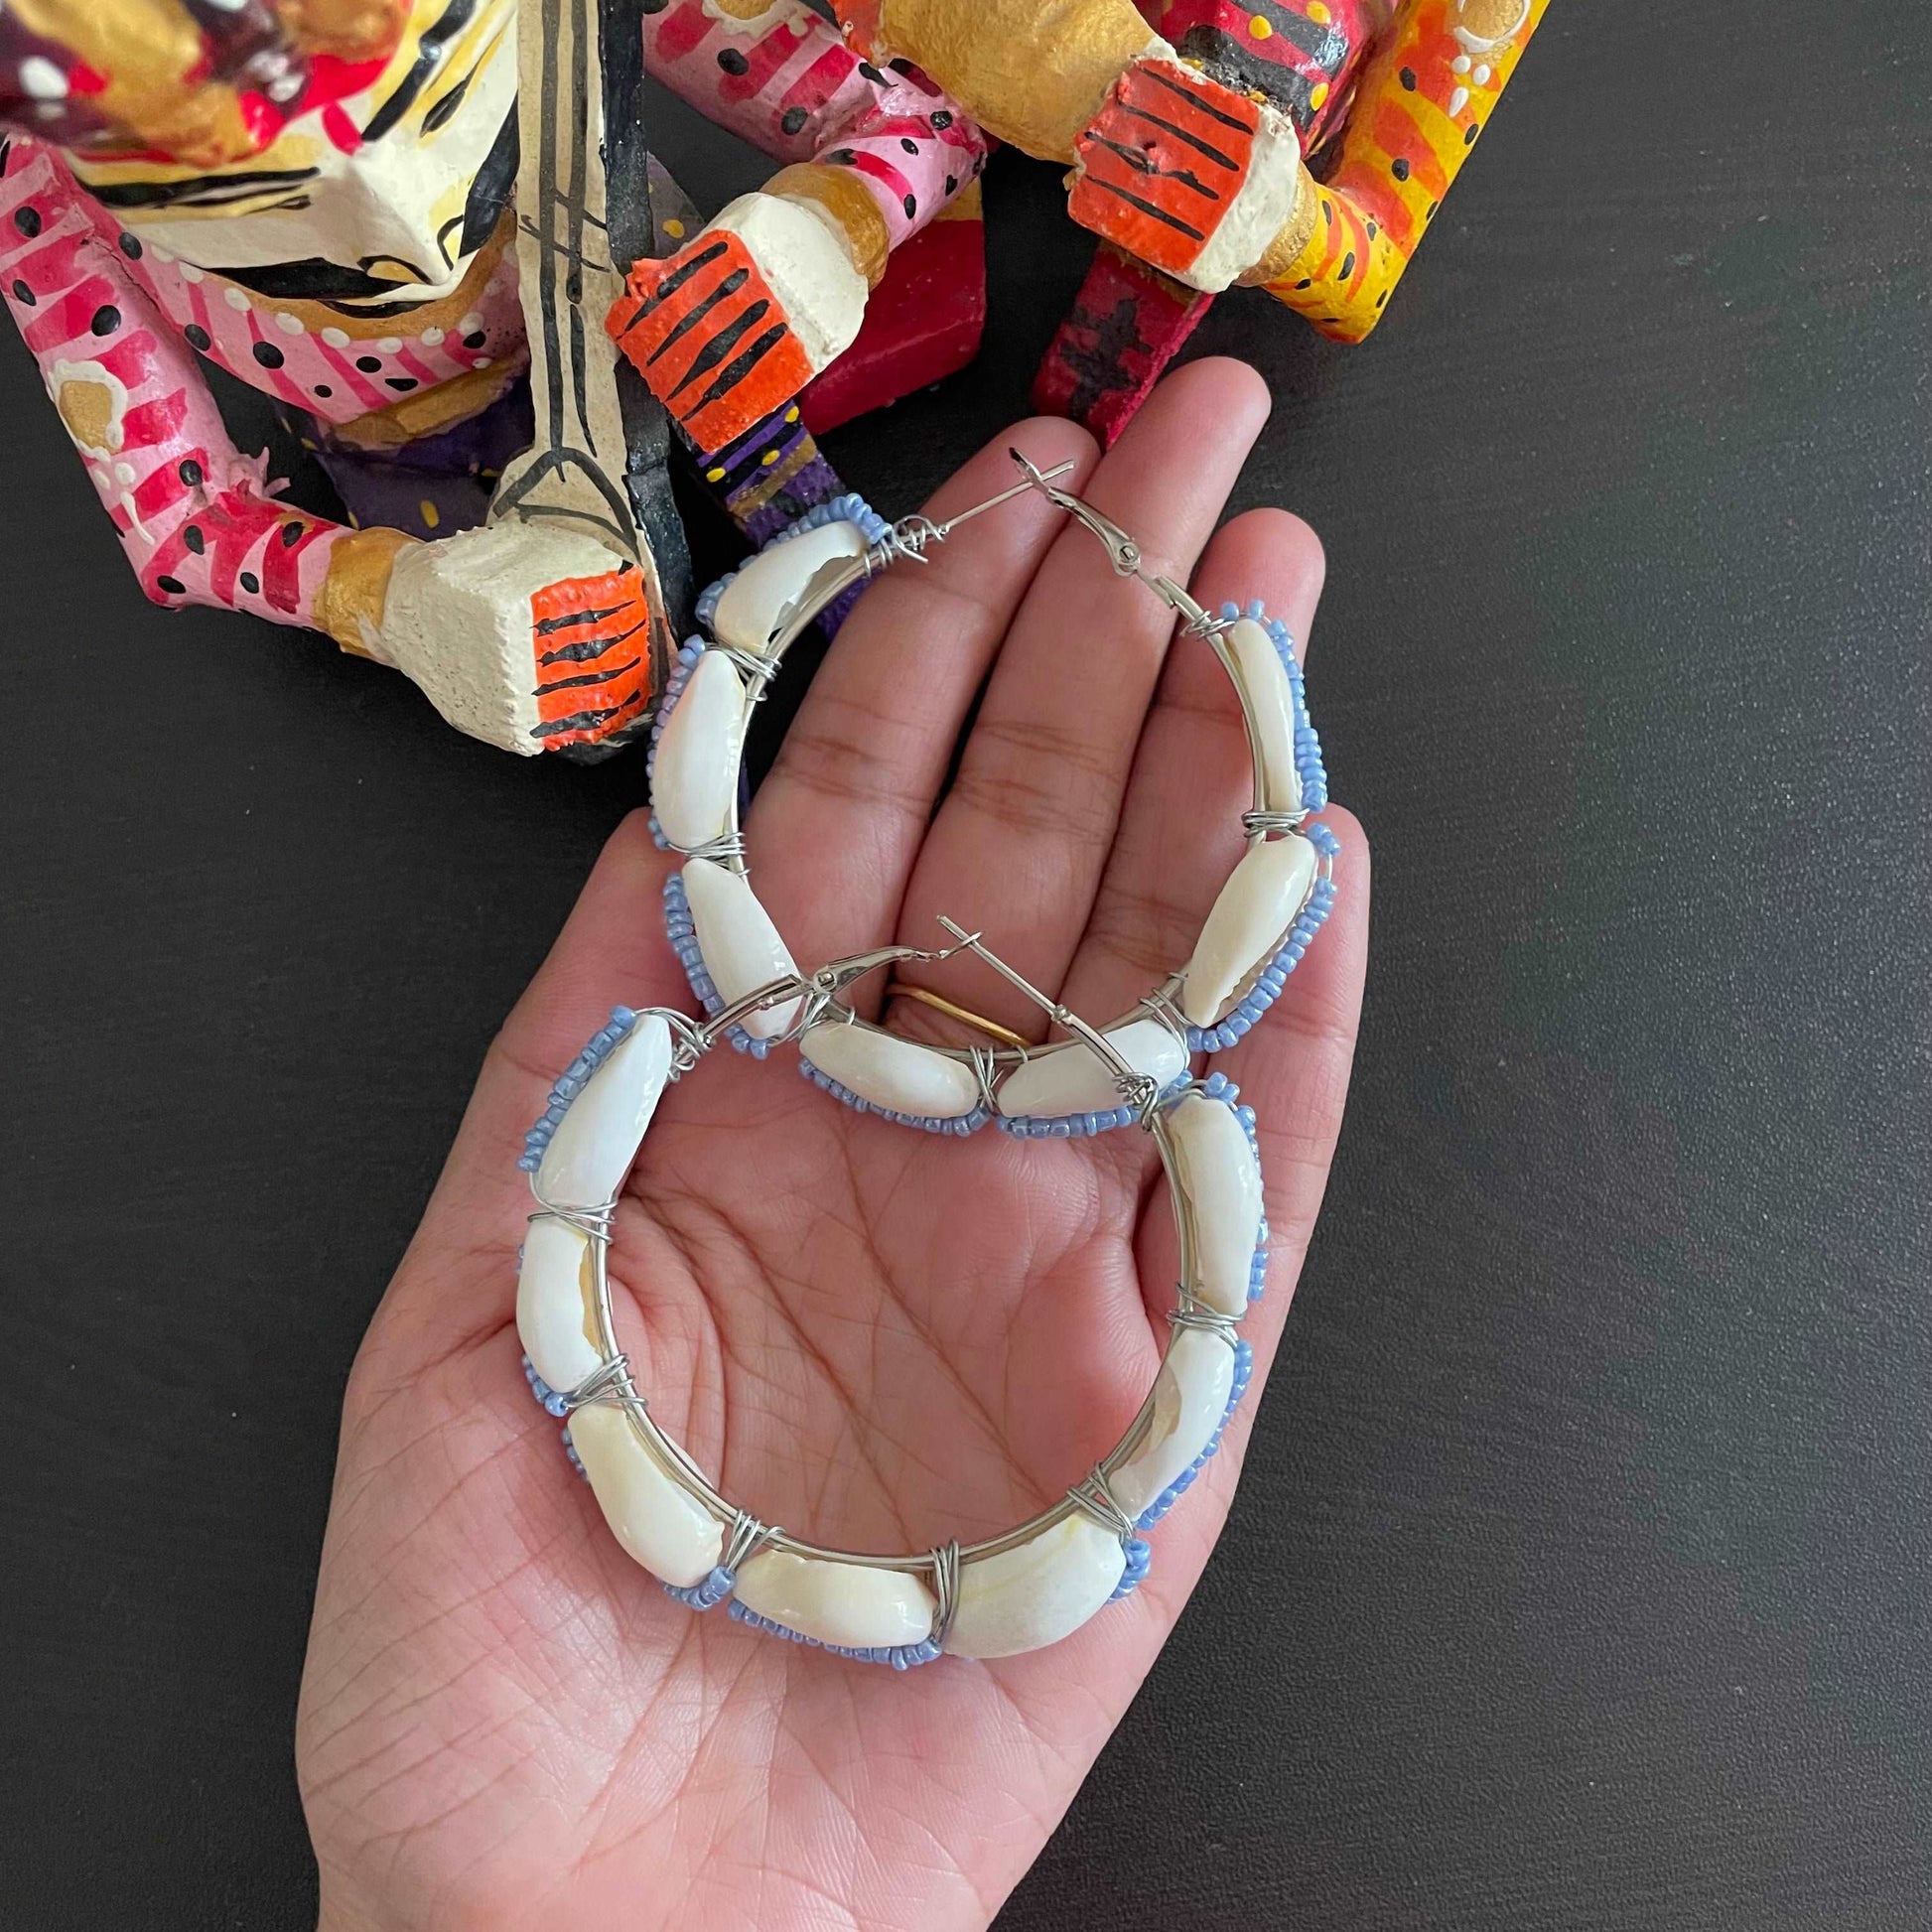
column 1135, row 1086
column 911, row 534
column 1122, row 548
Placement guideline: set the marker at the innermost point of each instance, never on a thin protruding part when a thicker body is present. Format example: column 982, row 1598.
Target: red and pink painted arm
column 196, row 518
column 875, row 155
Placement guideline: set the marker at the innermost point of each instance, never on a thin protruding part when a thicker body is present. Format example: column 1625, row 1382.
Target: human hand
column 878, row 1337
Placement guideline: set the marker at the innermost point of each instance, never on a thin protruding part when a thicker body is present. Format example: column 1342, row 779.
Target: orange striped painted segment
column 710, row 338
column 1161, row 162
column 1422, row 100
column 595, row 640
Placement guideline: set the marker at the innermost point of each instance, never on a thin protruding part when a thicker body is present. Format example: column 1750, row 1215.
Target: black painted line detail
column 1195, row 101
column 723, row 292
column 722, row 344
column 1214, row 153
column 737, row 371
column 1148, row 208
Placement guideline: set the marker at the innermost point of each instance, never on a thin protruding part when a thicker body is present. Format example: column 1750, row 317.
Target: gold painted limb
column 150, row 52
column 843, row 199
column 1286, row 249
column 347, row 29
column 1032, row 72
column 352, row 593
column 899, row 989
column 411, row 418
column 1422, row 100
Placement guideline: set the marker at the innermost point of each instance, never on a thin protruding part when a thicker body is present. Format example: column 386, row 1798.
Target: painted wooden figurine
column 353, row 207
column 1298, row 146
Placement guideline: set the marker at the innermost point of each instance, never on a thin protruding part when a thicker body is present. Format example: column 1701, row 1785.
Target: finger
column 1019, row 843
column 1293, row 1069
column 837, row 824
column 1180, row 823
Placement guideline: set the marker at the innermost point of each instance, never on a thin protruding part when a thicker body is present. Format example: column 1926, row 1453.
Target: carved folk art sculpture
column 1299, row 146
column 316, row 196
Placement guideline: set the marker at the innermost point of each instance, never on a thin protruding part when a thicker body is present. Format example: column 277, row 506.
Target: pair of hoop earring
column 1040, row 1581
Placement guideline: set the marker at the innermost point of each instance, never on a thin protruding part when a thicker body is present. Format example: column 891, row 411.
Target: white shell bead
column 753, row 607
column 601, row 1128
column 555, row 1304
column 694, row 775
column 1073, row 1079
column 666, row 1530
column 1256, row 907
column 847, row 1603
column 1269, row 698
column 741, row 947
column 1191, row 1396
column 1037, row 1592
column 898, row 1074
column 1219, row 1185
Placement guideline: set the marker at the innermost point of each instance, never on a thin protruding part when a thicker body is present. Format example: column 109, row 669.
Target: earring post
column 1123, row 549
column 1109, row 1053
column 952, row 523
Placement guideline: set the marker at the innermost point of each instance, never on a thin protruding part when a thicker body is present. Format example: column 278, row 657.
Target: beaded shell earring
column 1261, row 925
column 1021, row 1591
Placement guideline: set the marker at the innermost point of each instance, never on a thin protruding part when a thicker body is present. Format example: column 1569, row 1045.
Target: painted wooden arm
column 198, row 519
column 520, row 637
column 1424, row 97
column 772, row 291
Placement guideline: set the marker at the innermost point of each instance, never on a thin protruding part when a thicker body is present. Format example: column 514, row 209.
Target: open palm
column 877, row 1338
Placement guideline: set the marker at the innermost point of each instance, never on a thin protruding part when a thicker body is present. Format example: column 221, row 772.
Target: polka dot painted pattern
column 1418, row 110
column 796, row 89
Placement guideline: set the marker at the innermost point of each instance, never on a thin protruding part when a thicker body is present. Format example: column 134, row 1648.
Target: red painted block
column 923, row 323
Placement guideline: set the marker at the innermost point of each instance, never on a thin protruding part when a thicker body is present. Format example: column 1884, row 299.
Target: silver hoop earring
column 1029, row 1587
column 1261, row 925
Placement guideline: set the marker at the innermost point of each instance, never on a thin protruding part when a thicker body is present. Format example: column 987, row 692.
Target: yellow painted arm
column 1425, row 95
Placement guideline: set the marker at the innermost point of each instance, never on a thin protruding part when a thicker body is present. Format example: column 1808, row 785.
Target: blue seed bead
column 1139, row 1559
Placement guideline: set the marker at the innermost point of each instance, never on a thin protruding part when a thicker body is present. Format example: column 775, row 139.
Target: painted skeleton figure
column 316, row 196
column 377, row 211
column 1299, row 146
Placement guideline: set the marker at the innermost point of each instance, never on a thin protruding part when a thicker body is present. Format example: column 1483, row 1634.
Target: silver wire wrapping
column 1191, row 1314
column 945, row 1590
column 1158, row 1006
column 758, row 669
column 727, row 848
column 906, row 540
column 986, row 1070
column 1093, row 1496
column 1263, row 824
column 608, row 1383
column 1207, row 625
column 592, row 1222
column 748, row 1535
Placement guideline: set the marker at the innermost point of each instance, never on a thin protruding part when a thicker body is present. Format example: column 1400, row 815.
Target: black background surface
column 1579, row 1576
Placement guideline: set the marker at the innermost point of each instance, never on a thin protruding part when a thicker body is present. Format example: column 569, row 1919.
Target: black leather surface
column 1578, row 1577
